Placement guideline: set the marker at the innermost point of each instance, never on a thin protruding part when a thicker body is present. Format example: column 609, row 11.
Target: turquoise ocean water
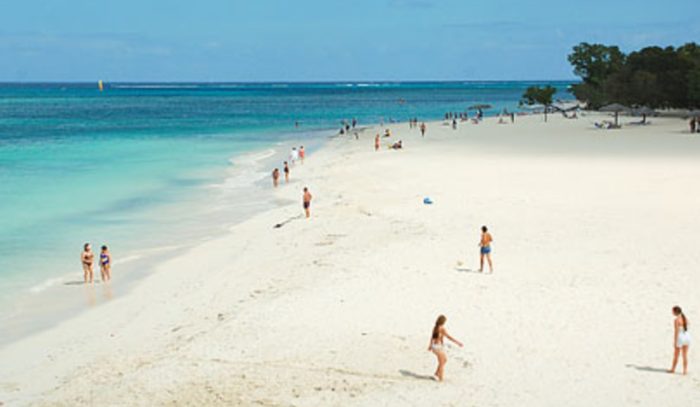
column 148, row 167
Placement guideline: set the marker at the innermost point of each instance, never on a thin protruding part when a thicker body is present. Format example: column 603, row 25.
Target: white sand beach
column 595, row 238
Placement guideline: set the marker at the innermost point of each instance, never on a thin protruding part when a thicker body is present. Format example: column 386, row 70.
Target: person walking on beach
column 681, row 339
column 437, row 346
column 307, row 202
column 105, row 264
column 286, row 172
column 302, row 154
column 87, row 258
column 693, row 124
column 376, row 142
column 293, row 155
column 485, row 249
column 275, row 177
column 422, row 129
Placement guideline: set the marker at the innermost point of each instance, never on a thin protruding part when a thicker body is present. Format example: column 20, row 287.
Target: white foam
column 45, row 285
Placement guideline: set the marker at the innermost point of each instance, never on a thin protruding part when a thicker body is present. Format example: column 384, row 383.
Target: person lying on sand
column 397, row 146
column 437, row 346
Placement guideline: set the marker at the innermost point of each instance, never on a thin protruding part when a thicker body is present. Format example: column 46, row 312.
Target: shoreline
column 36, row 307
column 336, row 310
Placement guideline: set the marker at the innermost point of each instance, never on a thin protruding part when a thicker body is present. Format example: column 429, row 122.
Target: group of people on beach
column 681, row 336
column 346, row 125
column 694, row 124
column 294, row 156
column 87, row 259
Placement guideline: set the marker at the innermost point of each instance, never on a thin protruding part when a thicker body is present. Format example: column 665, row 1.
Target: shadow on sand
column 406, row 373
column 76, row 282
column 467, row 270
column 647, row 368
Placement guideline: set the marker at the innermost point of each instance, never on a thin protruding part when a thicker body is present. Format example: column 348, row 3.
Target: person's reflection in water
column 90, row 295
column 107, row 291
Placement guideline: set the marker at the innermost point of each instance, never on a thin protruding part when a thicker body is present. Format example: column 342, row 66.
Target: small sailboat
column 100, row 85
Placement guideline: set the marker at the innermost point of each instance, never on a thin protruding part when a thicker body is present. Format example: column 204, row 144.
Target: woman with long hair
column 437, row 345
column 681, row 339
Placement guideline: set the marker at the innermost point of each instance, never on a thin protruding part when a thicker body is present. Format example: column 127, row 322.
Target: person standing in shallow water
column 87, row 259
column 302, row 154
column 275, row 177
column 437, row 346
column 681, row 339
column 306, row 201
column 485, row 249
column 105, row 264
column 286, row 172
column 376, row 142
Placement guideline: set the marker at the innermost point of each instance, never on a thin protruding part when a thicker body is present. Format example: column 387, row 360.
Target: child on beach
column 681, row 339
column 485, row 248
column 105, row 264
column 87, row 258
column 307, row 202
column 437, row 346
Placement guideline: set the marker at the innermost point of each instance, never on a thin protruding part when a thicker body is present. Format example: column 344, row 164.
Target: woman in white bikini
column 437, row 345
column 681, row 339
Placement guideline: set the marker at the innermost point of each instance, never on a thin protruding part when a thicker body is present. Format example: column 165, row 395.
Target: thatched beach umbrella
column 480, row 106
column 615, row 108
column 644, row 112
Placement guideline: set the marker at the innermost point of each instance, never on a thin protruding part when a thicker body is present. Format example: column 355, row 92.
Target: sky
column 323, row 40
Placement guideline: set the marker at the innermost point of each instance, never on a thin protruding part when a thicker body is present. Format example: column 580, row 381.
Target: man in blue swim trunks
column 485, row 248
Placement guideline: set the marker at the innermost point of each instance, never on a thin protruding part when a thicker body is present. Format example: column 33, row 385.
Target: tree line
column 653, row 76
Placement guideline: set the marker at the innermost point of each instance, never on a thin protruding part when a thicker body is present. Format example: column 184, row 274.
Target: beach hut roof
column 614, row 107
column 643, row 110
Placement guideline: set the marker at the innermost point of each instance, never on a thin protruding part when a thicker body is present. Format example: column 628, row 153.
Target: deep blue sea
column 145, row 167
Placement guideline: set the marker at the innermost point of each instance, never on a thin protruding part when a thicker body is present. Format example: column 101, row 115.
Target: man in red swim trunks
column 307, row 201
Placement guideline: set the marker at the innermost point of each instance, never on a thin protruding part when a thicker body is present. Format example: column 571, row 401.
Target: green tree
column 653, row 76
column 537, row 95
column 594, row 64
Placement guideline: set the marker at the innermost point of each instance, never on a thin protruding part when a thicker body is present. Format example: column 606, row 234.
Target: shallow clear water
column 143, row 166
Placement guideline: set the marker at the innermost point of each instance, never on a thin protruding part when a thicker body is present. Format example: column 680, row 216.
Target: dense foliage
column 539, row 95
column 655, row 77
